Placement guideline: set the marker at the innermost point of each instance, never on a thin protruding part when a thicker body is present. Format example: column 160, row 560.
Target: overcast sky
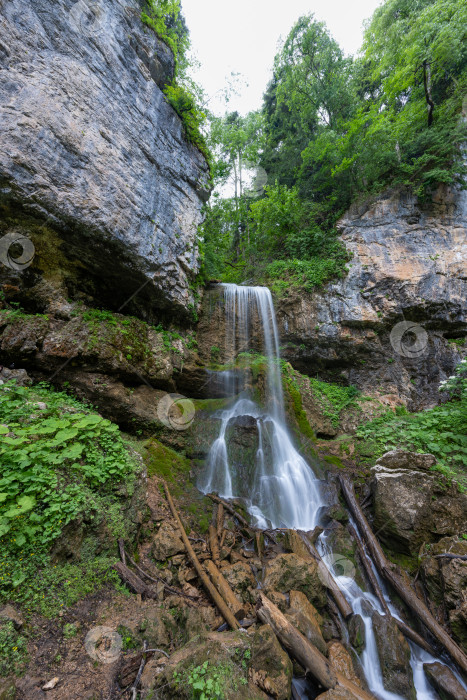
column 242, row 36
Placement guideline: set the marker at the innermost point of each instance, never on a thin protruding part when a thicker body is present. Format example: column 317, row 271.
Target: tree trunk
column 211, row 590
column 224, row 589
column 304, row 651
column 386, row 569
column 427, row 86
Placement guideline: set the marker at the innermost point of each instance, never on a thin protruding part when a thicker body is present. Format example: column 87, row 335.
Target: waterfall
column 279, row 487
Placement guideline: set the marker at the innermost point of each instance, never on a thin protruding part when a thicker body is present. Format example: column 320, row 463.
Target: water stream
column 281, row 489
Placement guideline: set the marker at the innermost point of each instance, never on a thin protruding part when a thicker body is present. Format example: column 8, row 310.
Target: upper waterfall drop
column 279, row 488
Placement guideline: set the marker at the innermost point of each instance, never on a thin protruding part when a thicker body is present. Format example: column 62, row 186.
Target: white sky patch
column 242, row 36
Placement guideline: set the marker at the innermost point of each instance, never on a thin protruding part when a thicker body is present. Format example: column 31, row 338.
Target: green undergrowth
column 441, row 431
column 334, row 399
column 290, row 378
column 177, row 471
column 67, row 475
column 13, row 651
column 283, row 276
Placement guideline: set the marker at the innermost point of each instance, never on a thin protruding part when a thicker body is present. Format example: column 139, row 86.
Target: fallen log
column 243, row 521
column 210, row 588
column 301, row 545
column 386, row 569
column 229, row 509
column 449, row 555
column 304, row 651
column 404, row 628
column 235, row 605
column 219, row 519
column 214, row 545
column 132, row 580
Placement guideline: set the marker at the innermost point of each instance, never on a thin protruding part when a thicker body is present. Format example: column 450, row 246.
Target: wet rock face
column 444, row 682
column 94, row 165
column 446, row 581
column 409, row 263
column 414, row 507
column 394, row 655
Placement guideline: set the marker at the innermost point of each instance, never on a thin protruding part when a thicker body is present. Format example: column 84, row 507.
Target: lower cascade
column 280, row 487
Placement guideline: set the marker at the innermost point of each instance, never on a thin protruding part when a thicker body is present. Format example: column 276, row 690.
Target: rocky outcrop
column 394, row 656
column 413, row 506
column 445, row 578
column 409, row 264
column 444, row 682
column 94, row 165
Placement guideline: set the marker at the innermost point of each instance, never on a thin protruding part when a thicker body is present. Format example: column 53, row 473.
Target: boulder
column 415, row 507
column 357, row 634
column 9, row 613
column 342, row 661
column 444, row 682
column 219, row 657
column 303, row 615
column 290, row 572
column 240, row 578
column 446, row 582
column 394, row 656
column 166, row 542
column 271, row 668
column 403, row 459
column 337, row 694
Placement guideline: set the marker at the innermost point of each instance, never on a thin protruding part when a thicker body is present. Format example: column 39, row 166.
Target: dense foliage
column 60, row 460
column 334, row 128
column 441, row 431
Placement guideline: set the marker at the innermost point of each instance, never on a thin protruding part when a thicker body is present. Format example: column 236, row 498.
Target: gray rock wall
column 94, row 166
column 409, row 264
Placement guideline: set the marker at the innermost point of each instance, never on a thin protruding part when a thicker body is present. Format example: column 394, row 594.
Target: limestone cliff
column 409, row 264
column 94, row 165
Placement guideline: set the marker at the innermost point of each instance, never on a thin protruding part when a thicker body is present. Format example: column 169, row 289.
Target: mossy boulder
column 216, row 662
column 290, row 572
column 271, row 668
column 394, row 657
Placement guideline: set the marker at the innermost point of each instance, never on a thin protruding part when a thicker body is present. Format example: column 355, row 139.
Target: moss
column 164, row 462
column 335, row 461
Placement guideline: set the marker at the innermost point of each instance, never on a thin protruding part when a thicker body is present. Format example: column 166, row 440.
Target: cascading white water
column 281, row 490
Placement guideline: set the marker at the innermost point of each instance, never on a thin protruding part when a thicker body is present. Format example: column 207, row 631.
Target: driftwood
column 155, row 579
column 301, row 545
column 243, row 521
column 387, row 570
column 132, row 580
column 307, row 655
column 219, row 519
column 210, row 588
column 235, row 605
column 404, row 628
column 214, row 545
column 449, row 555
